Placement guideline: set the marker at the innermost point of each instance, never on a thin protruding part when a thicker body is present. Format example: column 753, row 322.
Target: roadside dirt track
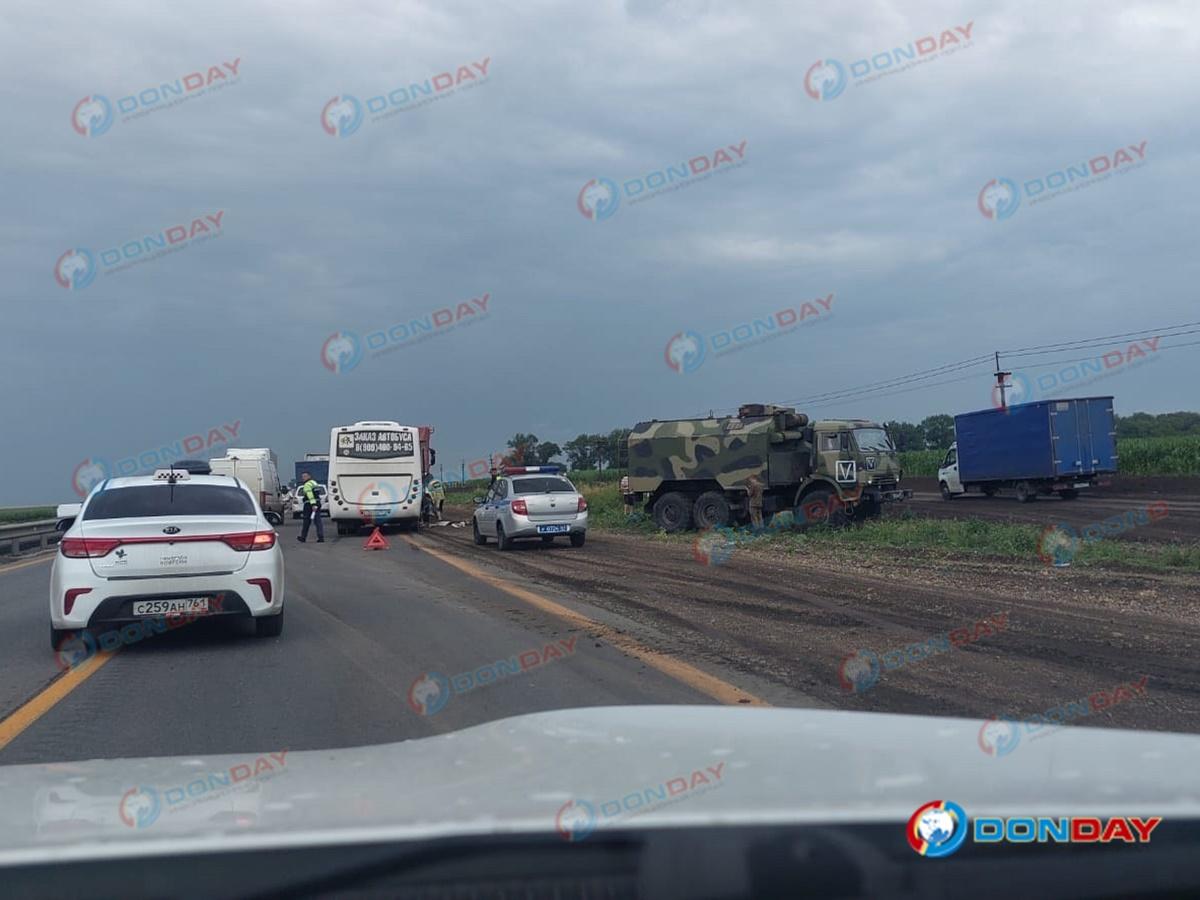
column 1181, row 495
column 792, row 620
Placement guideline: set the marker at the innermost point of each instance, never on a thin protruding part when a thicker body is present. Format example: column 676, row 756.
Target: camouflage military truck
column 693, row 472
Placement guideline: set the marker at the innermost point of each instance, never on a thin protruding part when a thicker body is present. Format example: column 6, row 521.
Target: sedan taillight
column 519, row 507
column 251, row 540
column 87, row 548
column 582, row 507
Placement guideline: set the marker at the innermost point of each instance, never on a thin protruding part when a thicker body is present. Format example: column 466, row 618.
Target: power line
column 1110, row 337
column 883, row 388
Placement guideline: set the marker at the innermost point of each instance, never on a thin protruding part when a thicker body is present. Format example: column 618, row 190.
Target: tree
column 546, row 451
column 581, row 452
column 938, row 432
column 522, row 447
column 905, row 435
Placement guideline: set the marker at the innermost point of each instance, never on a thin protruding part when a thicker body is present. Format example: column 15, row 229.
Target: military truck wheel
column 822, row 507
column 711, row 510
column 673, row 512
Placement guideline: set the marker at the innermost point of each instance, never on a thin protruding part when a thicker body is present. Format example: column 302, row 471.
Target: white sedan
column 530, row 502
column 169, row 546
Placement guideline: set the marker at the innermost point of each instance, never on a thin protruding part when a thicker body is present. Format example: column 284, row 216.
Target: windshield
column 624, row 343
column 872, row 439
column 137, row 501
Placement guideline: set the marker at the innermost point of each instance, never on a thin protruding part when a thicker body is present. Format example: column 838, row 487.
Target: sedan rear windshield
column 542, row 486
column 167, row 500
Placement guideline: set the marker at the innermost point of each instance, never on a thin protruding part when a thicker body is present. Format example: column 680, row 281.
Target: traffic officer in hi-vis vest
column 312, row 508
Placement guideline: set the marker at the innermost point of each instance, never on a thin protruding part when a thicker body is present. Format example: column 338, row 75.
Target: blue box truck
column 1047, row 447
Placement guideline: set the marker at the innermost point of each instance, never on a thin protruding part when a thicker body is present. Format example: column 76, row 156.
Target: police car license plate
column 553, row 529
column 174, row 605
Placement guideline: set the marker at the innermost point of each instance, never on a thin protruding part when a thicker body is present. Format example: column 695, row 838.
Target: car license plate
column 174, row 605
column 553, row 529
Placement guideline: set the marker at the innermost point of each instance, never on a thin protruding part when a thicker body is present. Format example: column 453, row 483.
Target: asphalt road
column 361, row 628
column 646, row 620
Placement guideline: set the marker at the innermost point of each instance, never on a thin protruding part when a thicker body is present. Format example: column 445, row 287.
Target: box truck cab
column 257, row 467
column 1049, row 447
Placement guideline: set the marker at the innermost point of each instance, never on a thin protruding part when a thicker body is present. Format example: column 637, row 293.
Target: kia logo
column 170, row 529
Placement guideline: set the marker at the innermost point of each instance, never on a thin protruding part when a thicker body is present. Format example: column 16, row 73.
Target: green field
column 26, row 514
column 935, row 538
column 1137, row 456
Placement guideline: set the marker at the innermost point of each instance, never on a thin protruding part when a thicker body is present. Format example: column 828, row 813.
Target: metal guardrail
column 25, row 536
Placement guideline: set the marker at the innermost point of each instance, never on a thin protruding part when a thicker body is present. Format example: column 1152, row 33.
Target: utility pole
column 1000, row 376
column 463, row 473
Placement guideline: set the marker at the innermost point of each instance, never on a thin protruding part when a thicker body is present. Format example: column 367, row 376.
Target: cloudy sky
column 870, row 193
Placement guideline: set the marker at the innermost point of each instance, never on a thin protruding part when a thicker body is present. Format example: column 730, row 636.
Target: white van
column 258, row 468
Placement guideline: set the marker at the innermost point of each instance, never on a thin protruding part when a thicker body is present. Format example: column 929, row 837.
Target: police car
column 169, row 545
column 530, row 502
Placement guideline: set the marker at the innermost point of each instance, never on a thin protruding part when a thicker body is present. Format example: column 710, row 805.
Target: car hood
column 577, row 771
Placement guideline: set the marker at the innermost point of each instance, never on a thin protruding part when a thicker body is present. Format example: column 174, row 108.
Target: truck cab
column 948, row 481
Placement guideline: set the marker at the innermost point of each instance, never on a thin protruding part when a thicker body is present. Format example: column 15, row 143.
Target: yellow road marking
column 45, row 701
column 714, row 687
column 25, row 565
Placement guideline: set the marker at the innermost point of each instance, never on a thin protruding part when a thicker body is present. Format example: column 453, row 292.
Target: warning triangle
column 376, row 541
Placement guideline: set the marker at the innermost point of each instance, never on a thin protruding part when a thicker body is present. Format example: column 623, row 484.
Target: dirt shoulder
column 794, row 618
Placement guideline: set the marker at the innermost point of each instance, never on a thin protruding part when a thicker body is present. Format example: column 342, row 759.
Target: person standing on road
column 312, row 508
column 626, row 496
column 755, row 486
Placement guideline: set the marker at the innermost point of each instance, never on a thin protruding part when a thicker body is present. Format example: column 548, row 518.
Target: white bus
column 374, row 475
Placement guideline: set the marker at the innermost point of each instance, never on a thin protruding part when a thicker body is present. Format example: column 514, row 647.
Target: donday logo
column 860, row 671
column 92, row 116
column 576, row 820
column 999, row 199
column 341, row 352
column 937, row 828
column 999, row 737
column 1018, row 390
column 684, row 352
column 87, row 474
column 140, row 807
column 598, row 199
column 75, row 269
column 429, row 693
column 342, row 116
column 825, row 80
